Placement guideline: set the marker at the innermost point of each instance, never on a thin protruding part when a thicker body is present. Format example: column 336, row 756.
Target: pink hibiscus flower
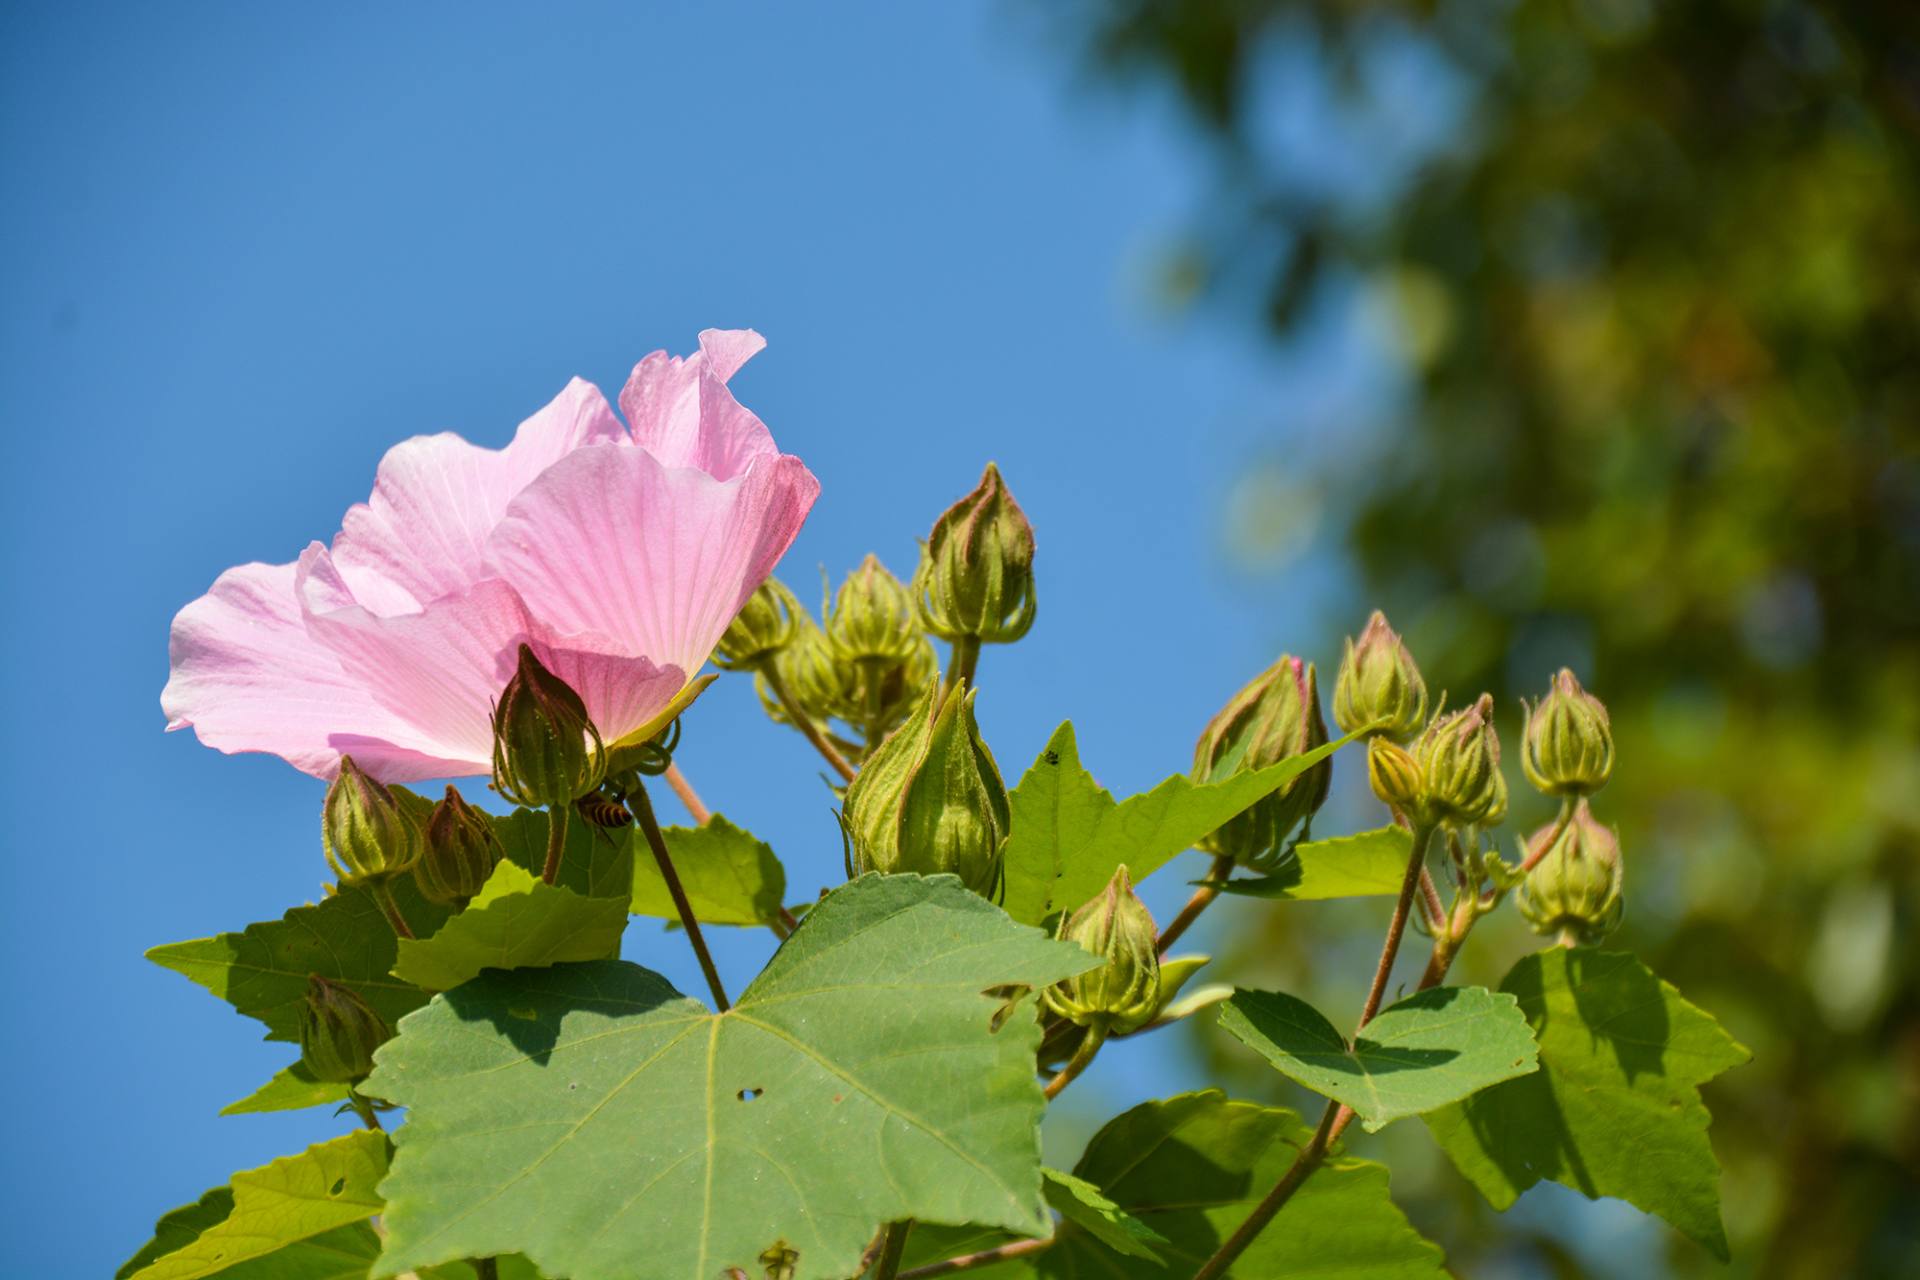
column 619, row 554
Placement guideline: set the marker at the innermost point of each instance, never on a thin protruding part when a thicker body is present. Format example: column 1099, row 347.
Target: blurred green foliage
column 1657, row 293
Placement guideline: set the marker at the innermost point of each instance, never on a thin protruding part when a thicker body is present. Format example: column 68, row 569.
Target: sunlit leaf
column 729, row 876
column 568, row 1113
column 1370, row 862
column 291, row 1089
column 514, row 922
column 1433, row 1048
column 1615, row 1109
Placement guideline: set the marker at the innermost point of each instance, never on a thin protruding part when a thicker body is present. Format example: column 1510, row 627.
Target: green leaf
column 1192, row 1167
column 1615, row 1109
column 595, row 862
column 291, row 1089
column 262, row 970
column 730, row 877
column 1370, row 862
column 300, row 1218
column 1435, row 1047
column 1081, row 1203
column 1069, row 834
column 568, row 1113
column 515, row 922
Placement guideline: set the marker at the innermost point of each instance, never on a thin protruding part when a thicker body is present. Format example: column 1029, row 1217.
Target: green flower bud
column 1575, row 887
column 366, row 832
column 1276, row 716
column 546, row 750
column 339, row 1032
column 1395, row 777
column 814, row 677
column 930, row 798
column 1124, row 992
column 769, row 622
column 871, row 618
column 1459, row 758
column 461, row 849
column 976, row 571
column 1379, row 687
column 1568, row 747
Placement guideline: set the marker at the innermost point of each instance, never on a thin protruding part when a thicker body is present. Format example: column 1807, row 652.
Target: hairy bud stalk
column 930, row 799
column 1568, row 747
column 1123, row 994
column 546, row 751
column 460, row 852
column 1274, row 718
column 339, row 1032
column 1379, row 688
column 367, row 834
column 1575, row 888
column 975, row 580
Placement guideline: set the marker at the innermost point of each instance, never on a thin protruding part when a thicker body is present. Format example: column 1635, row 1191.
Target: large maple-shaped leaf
column 1069, row 833
column 1193, row 1166
column 1615, row 1109
column 594, row 1119
column 1433, row 1048
column 514, row 922
column 262, row 970
column 302, row 1217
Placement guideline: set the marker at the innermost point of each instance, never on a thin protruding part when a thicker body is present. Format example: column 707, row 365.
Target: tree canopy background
column 1654, row 275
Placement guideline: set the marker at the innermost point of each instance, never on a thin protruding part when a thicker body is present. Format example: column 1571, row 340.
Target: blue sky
column 248, row 247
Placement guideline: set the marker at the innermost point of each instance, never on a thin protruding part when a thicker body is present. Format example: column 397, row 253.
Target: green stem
column 1089, row 1045
column 486, row 1269
column 985, row 1258
column 556, row 841
column 895, row 1248
column 364, row 1109
column 804, row 722
column 383, row 894
column 1336, row 1117
column 963, row 660
column 642, row 810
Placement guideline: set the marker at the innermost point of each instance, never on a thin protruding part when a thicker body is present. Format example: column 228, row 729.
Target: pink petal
column 246, row 676
column 423, row 533
column 615, row 542
column 681, row 411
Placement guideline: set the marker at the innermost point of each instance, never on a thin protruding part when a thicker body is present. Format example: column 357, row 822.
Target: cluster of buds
column 1275, row 717
column 1573, row 884
column 769, row 622
column 1123, row 993
column 930, row 799
column 339, row 1032
column 975, row 580
column 546, row 750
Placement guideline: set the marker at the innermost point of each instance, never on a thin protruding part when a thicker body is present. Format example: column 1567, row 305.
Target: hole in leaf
column 339, row 1185
column 748, row 1095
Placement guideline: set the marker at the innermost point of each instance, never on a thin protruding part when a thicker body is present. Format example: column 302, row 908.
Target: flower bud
column 930, row 798
column 1276, row 716
column 460, row 851
column 1575, row 887
column 817, row 681
column 365, row 831
column 871, row 618
column 1395, row 777
column 1124, row 992
column 976, row 571
column 1379, row 687
column 1459, row 758
column 768, row 622
column 546, row 750
column 1568, row 747
column 339, row 1032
